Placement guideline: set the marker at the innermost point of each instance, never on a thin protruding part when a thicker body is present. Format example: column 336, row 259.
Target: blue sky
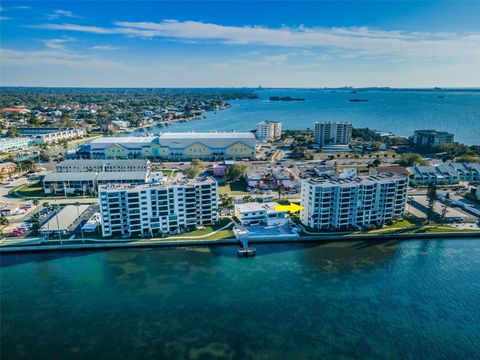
column 247, row 43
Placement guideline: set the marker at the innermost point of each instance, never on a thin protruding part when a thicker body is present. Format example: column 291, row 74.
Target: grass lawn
column 238, row 187
column 168, row 172
column 444, row 229
column 207, row 229
column 33, row 190
column 401, row 224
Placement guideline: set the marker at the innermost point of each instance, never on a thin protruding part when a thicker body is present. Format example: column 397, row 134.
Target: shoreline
column 106, row 244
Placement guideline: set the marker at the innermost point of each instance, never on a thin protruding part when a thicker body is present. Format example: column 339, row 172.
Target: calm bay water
column 399, row 300
column 400, row 112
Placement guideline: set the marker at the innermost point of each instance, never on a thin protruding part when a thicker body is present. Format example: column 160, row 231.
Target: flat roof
column 382, row 178
column 94, row 162
column 64, row 219
column 169, row 182
column 122, row 175
column 256, row 206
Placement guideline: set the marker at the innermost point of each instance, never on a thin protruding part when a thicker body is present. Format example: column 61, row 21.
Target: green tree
column 236, row 171
column 192, row 171
column 3, row 222
column 411, row 159
column 431, row 200
column 12, row 132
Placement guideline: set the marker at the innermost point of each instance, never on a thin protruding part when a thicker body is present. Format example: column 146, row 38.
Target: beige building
column 269, row 130
column 333, row 133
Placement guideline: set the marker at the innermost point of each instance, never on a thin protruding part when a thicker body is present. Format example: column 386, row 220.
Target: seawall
column 232, row 241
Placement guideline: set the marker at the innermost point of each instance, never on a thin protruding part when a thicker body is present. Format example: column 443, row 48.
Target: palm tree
column 56, row 207
column 77, row 205
column 36, row 202
column 3, row 222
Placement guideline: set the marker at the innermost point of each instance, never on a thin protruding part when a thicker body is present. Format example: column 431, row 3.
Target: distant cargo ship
column 357, row 100
column 285, row 98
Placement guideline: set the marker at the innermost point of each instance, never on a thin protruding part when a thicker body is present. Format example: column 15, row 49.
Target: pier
column 242, row 236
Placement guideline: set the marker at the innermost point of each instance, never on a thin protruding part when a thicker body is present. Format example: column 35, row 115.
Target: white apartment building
column 87, row 182
column 9, row 144
column 100, row 165
column 153, row 209
column 40, row 135
column 255, row 213
column 332, row 203
column 269, row 130
column 333, row 133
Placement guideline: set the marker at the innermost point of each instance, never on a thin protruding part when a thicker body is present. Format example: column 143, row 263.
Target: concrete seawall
column 233, row 241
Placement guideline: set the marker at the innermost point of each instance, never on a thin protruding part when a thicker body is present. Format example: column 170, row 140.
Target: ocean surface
column 399, row 112
column 352, row 300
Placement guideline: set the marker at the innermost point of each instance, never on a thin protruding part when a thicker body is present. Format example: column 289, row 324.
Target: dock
column 242, row 236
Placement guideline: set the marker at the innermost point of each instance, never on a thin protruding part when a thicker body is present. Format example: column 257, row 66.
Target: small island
column 285, row 98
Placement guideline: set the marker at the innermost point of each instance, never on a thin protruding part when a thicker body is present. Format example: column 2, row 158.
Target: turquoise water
column 400, row 112
column 358, row 300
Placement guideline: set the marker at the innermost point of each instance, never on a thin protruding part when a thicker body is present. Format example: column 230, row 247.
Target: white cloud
column 354, row 41
column 57, row 43
column 56, row 14
column 105, row 47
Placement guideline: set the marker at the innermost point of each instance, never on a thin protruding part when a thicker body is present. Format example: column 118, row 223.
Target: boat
column 357, row 100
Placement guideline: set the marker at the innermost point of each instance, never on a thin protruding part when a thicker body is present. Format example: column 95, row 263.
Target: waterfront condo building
column 48, row 135
column 333, row 203
column 269, row 130
column 333, row 133
column 97, row 165
column 426, row 138
column 9, row 144
column 153, row 209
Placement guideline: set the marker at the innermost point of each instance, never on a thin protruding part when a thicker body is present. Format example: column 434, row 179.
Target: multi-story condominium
column 269, row 130
column 255, row 213
column 173, row 146
column 97, row 165
column 445, row 174
column 153, row 209
column 333, row 133
column 426, row 138
column 333, row 203
column 44, row 135
column 88, row 182
column 467, row 171
column 9, row 144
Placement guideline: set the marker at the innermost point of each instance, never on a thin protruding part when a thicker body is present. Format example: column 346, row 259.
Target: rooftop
column 169, row 182
column 122, row 175
column 97, row 162
column 383, row 177
column 72, row 176
column 123, row 139
column 269, row 207
column 207, row 135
